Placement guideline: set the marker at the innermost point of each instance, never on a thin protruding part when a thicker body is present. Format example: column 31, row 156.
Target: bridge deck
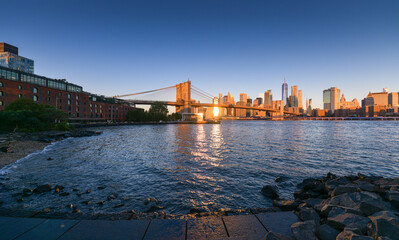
column 149, row 102
column 254, row 226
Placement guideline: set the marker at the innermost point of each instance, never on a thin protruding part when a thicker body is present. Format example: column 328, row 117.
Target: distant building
column 294, row 96
column 300, row 103
column 331, row 99
column 268, row 99
column 393, row 99
column 257, row 102
column 348, row 105
column 9, row 58
column 378, row 98
column 284, row 92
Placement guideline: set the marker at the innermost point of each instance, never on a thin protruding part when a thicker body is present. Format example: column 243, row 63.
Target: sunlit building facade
column 9, row 58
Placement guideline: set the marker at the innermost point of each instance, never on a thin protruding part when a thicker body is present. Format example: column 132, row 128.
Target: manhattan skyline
column 241, row 47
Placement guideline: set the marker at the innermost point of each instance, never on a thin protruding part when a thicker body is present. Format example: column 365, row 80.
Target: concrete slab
column 16, row 228
column 7, row 220
column 166, row 229
column 201, row 228
column 279, row 222
column 49, row 229
column 102, row 229
column 244, row 226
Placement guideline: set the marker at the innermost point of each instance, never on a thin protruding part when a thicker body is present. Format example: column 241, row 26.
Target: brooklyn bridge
column 185, row 103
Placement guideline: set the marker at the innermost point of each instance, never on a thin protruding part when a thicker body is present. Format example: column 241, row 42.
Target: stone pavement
column 254, row 226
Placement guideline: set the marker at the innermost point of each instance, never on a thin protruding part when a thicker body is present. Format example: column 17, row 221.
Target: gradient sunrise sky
column 118, row 47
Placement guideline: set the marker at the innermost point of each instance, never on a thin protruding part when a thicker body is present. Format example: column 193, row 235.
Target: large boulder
column 308, row 214
column 326, row 232
column 285, row 205
column 348, row 235
column 384, row 224
column 339, row 222
column 366, row 202
column 349, row 188
column 270, row 191
column 337, row 210
column 393, row 198
column 304, row 230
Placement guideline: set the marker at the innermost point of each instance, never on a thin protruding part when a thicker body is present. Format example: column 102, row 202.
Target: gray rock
column 304, row 230
column 63, row 194
column 270, row 191
column 393, row 198
column 349, row 188
column 308, row 214
column 341, row 221
column 348, row 235
column 285, row 205
column 365, row 186
column 276, row 236
column 356, row 228
column 305, row 194
column 325, row 232
column 43, row 188
column 337, row 210
column 384, row 224
column 333, row 183
column 154, row 208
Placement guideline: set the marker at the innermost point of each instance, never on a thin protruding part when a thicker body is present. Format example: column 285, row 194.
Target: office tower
column 294, row 96
column 393, row 99
column 268, row 99
column 9, row 58
column 300, row 103
column 243, row 97
column 377, row 98
column 257, row 102
column 284, row 92
column 331, row 99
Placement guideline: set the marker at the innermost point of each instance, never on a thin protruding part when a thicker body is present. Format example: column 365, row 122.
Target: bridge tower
column 183, row 96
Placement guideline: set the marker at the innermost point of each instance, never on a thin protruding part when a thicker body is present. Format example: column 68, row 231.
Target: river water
column 199, row 166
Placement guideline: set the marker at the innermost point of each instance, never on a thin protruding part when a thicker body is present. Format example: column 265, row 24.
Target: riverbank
column 330, row 207
column 14, row 146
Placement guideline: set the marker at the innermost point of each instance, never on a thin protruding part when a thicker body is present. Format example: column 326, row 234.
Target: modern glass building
column 9, row 58
column 284, row 94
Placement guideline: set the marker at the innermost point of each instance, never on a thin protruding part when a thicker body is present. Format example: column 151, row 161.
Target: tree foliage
column 26, row 115
column 157, row 112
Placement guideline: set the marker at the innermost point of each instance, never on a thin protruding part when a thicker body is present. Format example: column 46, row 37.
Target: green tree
column 174, row 117
column 26, row 115
column 158, row 111
column 137, row 115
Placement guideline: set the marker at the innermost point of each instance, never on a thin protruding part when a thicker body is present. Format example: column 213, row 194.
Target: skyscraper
column 300, row 103
column 331, row 99
column 268, row 99
column 284, row 92
column 294, row 96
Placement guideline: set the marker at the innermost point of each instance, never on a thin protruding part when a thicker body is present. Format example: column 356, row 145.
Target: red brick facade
column 79, row 105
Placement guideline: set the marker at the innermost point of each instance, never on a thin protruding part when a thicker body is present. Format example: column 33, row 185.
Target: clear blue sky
column 117, row 47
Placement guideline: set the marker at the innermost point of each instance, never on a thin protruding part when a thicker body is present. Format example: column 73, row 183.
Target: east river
column 207, row 167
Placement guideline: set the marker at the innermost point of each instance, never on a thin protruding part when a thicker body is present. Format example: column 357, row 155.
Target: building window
column 77, row 103
column 1, row 84
column 69, row 95
column 48, row 92
column 77, row 109
column 60, row 94
column 77, row 97
column 19, row 95
column 35, row 98
column 19, row 87
column 34, row 90
column 1, row 103
column 1, row 94
column 69, row 102
column 48, row 99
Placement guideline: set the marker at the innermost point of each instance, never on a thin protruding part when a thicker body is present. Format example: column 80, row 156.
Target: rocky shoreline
column 14, row 146
column 330, row 207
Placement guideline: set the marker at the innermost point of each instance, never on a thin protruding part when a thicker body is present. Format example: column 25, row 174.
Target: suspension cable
column 133, row 94
column 198, row 89
column 201, row 94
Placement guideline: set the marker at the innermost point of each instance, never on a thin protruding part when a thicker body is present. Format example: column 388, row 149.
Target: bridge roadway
column 149, row 102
